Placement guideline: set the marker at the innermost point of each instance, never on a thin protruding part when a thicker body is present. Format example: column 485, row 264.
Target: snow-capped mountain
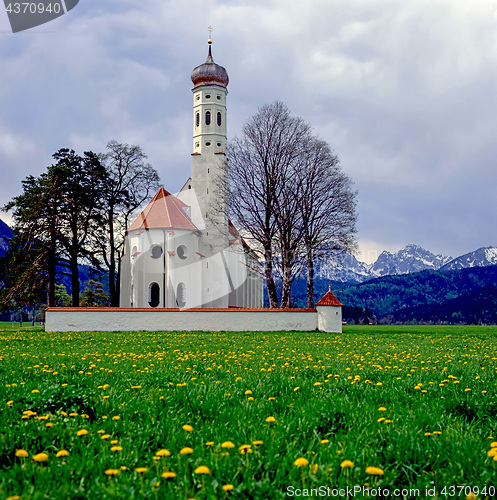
column 485, row 256
column 345, row 268
column 410, row 259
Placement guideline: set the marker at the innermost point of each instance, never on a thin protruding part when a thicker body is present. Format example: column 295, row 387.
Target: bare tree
column 259, row 163
column 326, row 203
column 130, row 181
column 289, row 195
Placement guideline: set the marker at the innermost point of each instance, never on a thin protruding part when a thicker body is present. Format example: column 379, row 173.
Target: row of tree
column 288, row 193
column 74, row 212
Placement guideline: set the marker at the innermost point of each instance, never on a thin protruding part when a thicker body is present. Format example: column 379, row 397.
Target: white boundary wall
column 111, row 319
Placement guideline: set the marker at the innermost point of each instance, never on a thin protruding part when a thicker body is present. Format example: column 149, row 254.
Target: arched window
column 219, row 118
column 181, row 295
column 154, row 295
column 197, row 119
column 207, row 117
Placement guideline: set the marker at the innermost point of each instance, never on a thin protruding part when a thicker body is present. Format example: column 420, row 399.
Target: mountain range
column 411, row 259
column 5, row 234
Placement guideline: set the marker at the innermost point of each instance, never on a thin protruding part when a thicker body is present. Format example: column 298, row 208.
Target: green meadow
column 404, row 411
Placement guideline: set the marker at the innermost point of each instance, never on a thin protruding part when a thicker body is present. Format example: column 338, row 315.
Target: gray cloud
column 403, row 91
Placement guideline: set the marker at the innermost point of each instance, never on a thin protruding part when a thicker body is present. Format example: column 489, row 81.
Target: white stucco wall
column 133, row 319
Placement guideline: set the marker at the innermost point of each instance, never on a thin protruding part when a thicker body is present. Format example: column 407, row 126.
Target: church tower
column 209, row 175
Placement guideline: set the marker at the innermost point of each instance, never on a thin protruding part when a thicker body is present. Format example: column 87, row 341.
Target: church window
column 218, row 144
column 207, row 96
column 208, row 143
column 207, row 191
column 154, row 295
column 181, row 295
column 197, row 119
column 208, row 170
column 189, row 186
column 219, row 119
column 182, row 252
column 155, row 251
column 197, row 97
column 207, row 117
column 218, row 97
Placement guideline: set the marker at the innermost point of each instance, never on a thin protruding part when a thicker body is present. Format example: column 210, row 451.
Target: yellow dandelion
column 209, row 443
column 325, row 441
column 248, row 392
column 202, row 469
column 141, row 470
column 14, row 497
column 492, row 452
column 188, row 428
column 493, row 444
column 227, row 487
column 314, row 468
column 168, row 475
column 347, row 464
column 186, row 451
column 116, row 448
column 163, row 453
column 105, row 436
column 296, row 388
column 258, row 442
column 245, row 448
column 270, row 420
column 382, row 408
column 62, row 453
column 82, row 432
column 227, row 444
column 35, row 391
column 22, row 453
column 301, row 462
column 374, row 471
column 112, row 472
column 116, row 417
column 49, row 424
column 40, row 457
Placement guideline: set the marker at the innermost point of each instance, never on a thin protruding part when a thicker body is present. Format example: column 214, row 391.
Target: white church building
column 182, row 251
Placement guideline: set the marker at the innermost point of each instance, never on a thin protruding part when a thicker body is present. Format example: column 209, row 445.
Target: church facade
column 182, row 251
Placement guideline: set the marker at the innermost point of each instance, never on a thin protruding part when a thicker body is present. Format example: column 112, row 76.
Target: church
column 182, row 251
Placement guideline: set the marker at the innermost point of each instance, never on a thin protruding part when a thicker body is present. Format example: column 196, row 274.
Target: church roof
column 163, row 211
column 329, row 299
column 210, row 73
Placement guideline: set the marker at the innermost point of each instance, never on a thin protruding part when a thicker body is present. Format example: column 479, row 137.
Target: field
column 249, row 415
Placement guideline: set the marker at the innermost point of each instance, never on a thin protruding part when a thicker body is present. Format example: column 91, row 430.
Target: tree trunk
column 73, row 263
column 114, row 297
column 310, row 278
column 287, row 280
column 33, row 319
column 268, row 269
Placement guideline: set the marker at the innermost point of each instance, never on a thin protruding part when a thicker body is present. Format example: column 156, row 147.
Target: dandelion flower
column 163, row 453
column 209, row 443
column 116, row 448
column 347, row 464
column 35, row 391
column 22, row 453
column 270, row 420
column 62, row 453
column 14, row 497
column 382, row 408
column 105, row 436
column 301, row 462
column 116, row 417
column 227, row 487
column 374, row 471
column 186, row 451
column 227, row 444
column 141, row 470
column 257, row 443
column 296, row 388
column 245, row 448
column 82, row 432
column 168, row 475
column 41, row 457
column 325, row 441
column 188, row 428
column 492, row 452
column 202, row 469
column 112, row 472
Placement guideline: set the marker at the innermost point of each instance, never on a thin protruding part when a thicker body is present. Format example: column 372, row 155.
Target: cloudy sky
column 405, row 91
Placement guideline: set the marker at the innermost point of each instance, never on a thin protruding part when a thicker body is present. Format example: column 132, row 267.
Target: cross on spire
column 210, row 30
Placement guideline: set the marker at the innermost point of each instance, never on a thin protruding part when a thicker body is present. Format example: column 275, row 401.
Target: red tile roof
column 329, row 299
column 163, row 211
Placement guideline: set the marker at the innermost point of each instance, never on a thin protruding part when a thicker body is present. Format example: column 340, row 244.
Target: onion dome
column 209, row 73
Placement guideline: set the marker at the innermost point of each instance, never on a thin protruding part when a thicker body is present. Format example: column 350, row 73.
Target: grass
column 418, row 403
